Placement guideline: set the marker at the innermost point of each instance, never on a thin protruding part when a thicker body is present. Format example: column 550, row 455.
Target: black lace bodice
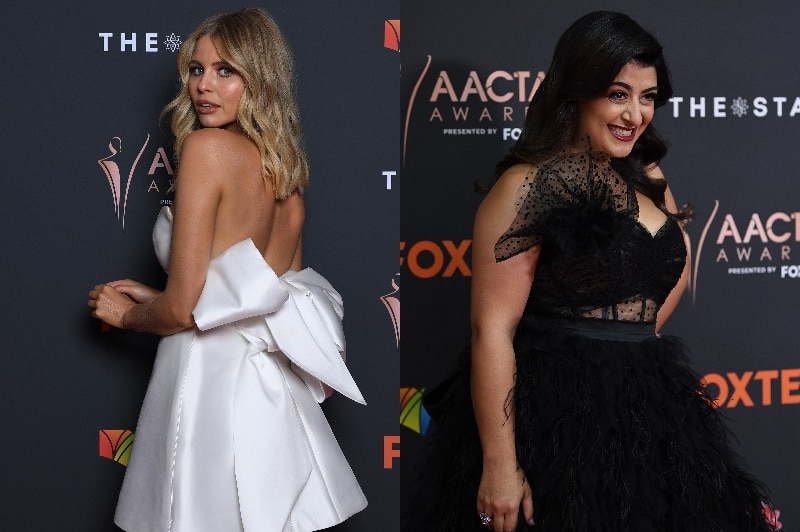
column 596, row 260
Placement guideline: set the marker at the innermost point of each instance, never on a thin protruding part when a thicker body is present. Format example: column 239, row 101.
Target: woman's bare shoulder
column 217, row 144
column 499, row 206
column 512, row 179
column 218, row 154
column 208, row 137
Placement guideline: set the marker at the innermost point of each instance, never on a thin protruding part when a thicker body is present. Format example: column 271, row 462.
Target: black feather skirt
column 614, row 432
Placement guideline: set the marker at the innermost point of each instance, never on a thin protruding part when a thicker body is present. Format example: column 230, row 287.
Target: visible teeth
column 621, row 132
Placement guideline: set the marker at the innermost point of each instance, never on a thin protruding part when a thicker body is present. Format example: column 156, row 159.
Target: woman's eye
column 226, row 72
column 649, row 98
column 617, row 96
column 195, row 70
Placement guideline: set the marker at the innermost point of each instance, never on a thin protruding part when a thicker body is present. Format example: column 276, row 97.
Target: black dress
column 613, row 430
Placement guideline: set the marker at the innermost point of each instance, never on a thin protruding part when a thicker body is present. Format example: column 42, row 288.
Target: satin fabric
column 231, row 436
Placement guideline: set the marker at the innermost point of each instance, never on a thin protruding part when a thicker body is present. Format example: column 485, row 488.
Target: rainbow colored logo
column 412, row 414
column 391, row 35
column 116, row 445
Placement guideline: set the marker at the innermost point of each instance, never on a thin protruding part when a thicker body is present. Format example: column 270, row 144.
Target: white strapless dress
column 231, row 436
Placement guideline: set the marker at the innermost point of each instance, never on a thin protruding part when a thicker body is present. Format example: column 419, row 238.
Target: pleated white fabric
column 231, row 436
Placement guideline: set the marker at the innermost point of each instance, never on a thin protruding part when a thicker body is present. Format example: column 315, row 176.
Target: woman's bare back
column 248, row 209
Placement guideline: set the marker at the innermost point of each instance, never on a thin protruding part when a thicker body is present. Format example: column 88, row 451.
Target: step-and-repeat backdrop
column 85, row 167
column 468, row 72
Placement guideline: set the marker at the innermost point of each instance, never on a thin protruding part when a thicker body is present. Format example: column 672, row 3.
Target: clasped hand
column 111, row 301
column 500, row 494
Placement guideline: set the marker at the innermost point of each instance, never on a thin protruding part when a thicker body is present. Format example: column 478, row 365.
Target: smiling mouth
column 623, row 133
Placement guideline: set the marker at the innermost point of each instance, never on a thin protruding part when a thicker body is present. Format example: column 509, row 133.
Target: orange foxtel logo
column 391, row 35
column 390, row 450
column 763, row 387
column 115, row 444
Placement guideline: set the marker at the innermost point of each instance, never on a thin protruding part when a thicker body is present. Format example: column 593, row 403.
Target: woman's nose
column 204, row 84
column 633, row 113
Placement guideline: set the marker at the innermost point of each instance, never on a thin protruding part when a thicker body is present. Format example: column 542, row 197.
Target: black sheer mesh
column 596, row 259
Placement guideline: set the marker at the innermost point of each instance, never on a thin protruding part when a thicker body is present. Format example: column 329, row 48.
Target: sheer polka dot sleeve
column 568, row 182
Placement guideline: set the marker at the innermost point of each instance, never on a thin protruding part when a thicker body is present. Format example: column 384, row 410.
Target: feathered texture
column 620, row 435
column 613, row 434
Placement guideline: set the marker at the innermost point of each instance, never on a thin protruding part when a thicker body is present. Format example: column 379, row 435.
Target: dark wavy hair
column 587, row 58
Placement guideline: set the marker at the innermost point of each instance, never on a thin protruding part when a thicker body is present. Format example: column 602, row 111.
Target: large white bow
column 299, row 314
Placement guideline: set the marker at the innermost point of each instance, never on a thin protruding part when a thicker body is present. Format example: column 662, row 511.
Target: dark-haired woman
column 587, row 418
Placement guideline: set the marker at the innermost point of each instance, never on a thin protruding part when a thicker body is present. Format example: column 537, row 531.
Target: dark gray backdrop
column 62, row 379
column 740, row 317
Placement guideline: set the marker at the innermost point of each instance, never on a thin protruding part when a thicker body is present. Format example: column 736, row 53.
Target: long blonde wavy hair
column 253, row 45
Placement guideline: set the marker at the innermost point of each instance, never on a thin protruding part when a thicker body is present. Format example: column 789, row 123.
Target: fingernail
column 531, row 521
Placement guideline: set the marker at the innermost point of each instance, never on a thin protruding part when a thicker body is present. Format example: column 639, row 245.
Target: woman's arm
column 499, row 293
column 197, row 195
column 138, row 292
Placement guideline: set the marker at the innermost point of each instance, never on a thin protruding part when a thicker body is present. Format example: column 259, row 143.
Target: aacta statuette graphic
column 114, row 175
column 392, row 303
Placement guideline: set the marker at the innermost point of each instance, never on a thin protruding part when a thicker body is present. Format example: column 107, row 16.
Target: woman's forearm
column 157, row 317
column 493, row 369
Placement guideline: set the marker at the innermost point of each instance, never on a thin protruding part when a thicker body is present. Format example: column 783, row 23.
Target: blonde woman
column 230, row 436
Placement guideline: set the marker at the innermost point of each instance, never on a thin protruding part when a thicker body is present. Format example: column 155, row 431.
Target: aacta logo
column 114, row 165
column 427, row 258
column 133, row 42
column 473, row 103
column 391, row 35
column 772, row 515
column 392, row 303
column 748, row 244
column 116, row 445
column 499, row 86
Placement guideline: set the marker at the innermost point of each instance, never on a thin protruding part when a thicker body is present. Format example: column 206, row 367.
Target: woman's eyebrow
column 626, row 86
